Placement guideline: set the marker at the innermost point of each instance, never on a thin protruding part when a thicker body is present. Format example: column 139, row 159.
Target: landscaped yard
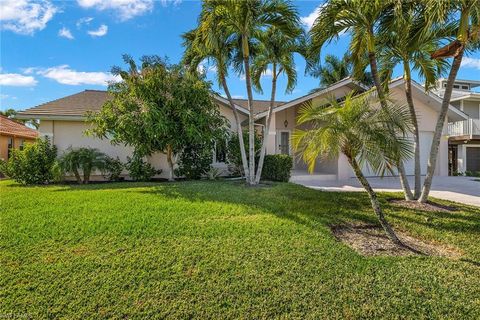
column 222, row 250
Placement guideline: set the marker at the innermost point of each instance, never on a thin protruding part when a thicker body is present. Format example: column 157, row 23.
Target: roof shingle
column 12, row 128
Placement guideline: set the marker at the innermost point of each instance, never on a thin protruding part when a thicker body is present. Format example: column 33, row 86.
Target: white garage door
column 425, row 144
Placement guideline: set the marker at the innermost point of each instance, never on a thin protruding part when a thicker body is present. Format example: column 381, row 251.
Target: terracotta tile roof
column 92, row 100
column 13, row 128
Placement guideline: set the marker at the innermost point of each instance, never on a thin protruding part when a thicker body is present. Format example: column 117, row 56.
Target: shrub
column 33, row 164
column 277, row 167
column 214, row 173
column 234, row 157
column 140, row 170
column 113, row 169
column 83, row 160
column 472, row 173
column 58, row 175
column 195, row 161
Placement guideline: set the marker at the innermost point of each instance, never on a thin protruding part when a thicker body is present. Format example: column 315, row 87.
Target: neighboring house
column 63, row 121
column 464, row 136
column 13, row 135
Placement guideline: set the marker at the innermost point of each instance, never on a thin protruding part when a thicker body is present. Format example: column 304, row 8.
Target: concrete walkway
column 460, row 189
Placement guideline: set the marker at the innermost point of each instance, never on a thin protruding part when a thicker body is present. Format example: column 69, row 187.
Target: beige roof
column 73, row 105
column 76, row 105
column 13, row 128
column 258, row 105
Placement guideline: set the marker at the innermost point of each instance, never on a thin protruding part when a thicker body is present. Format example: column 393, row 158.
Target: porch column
column 272, row 136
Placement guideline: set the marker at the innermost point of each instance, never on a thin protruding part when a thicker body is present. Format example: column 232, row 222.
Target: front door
column 284, row 142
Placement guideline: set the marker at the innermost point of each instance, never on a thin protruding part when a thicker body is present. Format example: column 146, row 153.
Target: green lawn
column 221, row 250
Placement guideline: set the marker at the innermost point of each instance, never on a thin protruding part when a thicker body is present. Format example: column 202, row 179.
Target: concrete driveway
column 460, row 189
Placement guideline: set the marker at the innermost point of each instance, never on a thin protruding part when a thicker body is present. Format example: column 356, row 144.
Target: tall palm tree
column 466, row 15
column 244, row 22
column 275, row 50
column 335, row 69
column 365, row 134
column 218, row 50
column 361, row 18
column 405, row 42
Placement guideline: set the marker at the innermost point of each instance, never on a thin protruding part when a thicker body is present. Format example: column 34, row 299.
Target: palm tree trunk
column 416, row 133
column 77, row 176
column 251, row 120
column 86, row 175
column 383, row 102
column 268, row 121
column 374, row 201
column 432, row 161
column 239, row 127
column 170, row 163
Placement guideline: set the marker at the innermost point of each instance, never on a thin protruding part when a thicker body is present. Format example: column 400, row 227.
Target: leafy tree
column 195, row 160
column 33, row 164
column 361, row 19
column 365, row 134
column 234, row 158
column 158, row 108
column 83, row 160
column 242, row 22
column 465, row 14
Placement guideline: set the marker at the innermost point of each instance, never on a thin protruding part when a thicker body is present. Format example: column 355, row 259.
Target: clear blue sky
column 52, row 49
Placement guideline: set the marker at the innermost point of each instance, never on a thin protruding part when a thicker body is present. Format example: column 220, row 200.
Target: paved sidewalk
column 460, row 189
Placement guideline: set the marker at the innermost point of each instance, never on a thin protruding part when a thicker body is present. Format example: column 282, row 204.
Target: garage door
column 473, row 159
column 425, row 145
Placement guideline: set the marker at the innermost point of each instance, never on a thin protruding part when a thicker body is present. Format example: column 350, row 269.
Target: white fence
column 468, row 127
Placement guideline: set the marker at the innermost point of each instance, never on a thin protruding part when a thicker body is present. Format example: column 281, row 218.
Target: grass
column 221, row 250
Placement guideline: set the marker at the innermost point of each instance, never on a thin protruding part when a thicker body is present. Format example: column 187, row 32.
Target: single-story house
column 63, row 120
column 13, row 135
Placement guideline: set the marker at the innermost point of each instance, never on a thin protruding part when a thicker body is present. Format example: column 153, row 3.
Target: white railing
column 468, row 127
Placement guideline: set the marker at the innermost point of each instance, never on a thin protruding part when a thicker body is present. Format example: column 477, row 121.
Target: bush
column 194, row 161
column 472, row 173
column 277, row 167
column 234, row 157
column 140, row 170
column 83, row 160
column 113, row 169
column 33, row 164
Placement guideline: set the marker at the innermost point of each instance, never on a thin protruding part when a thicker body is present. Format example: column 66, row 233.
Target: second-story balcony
column 467, row 129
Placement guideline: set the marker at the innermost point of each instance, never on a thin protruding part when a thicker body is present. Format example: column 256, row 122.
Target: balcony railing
column 470, row 127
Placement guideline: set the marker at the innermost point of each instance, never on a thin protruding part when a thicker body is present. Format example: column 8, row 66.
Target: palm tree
column 217, row 50
column 406, row 42
column 335, row 69
column 466, row 15
column 365, row 134
column 361, row 18
column 243, row 22
column 84, row 159
column 275, row 50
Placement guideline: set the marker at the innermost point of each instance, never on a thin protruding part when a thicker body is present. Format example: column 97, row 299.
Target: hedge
column 277, row 167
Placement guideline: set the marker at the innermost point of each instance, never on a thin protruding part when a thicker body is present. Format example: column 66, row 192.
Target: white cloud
column 83, row 21
column 16, row 80
column 64, row 75
column 26, row 16
column 100, row 32
column 167, row 2
column 203, row 68
column 266, row 74
column 126, row 9
column 238, row 96
column 65, row 33
column 471, row 63
column 310, row 19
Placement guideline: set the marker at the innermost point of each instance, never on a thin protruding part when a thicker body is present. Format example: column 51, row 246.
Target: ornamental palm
column 243, row 21
column 361, row 18
column 405, row 41
column 276, row 50
column 84, row 159
column 365, row 134
column 466, row 16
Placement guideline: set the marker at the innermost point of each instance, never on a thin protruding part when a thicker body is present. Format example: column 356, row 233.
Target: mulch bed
column 429, row 206
column 371, row 240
